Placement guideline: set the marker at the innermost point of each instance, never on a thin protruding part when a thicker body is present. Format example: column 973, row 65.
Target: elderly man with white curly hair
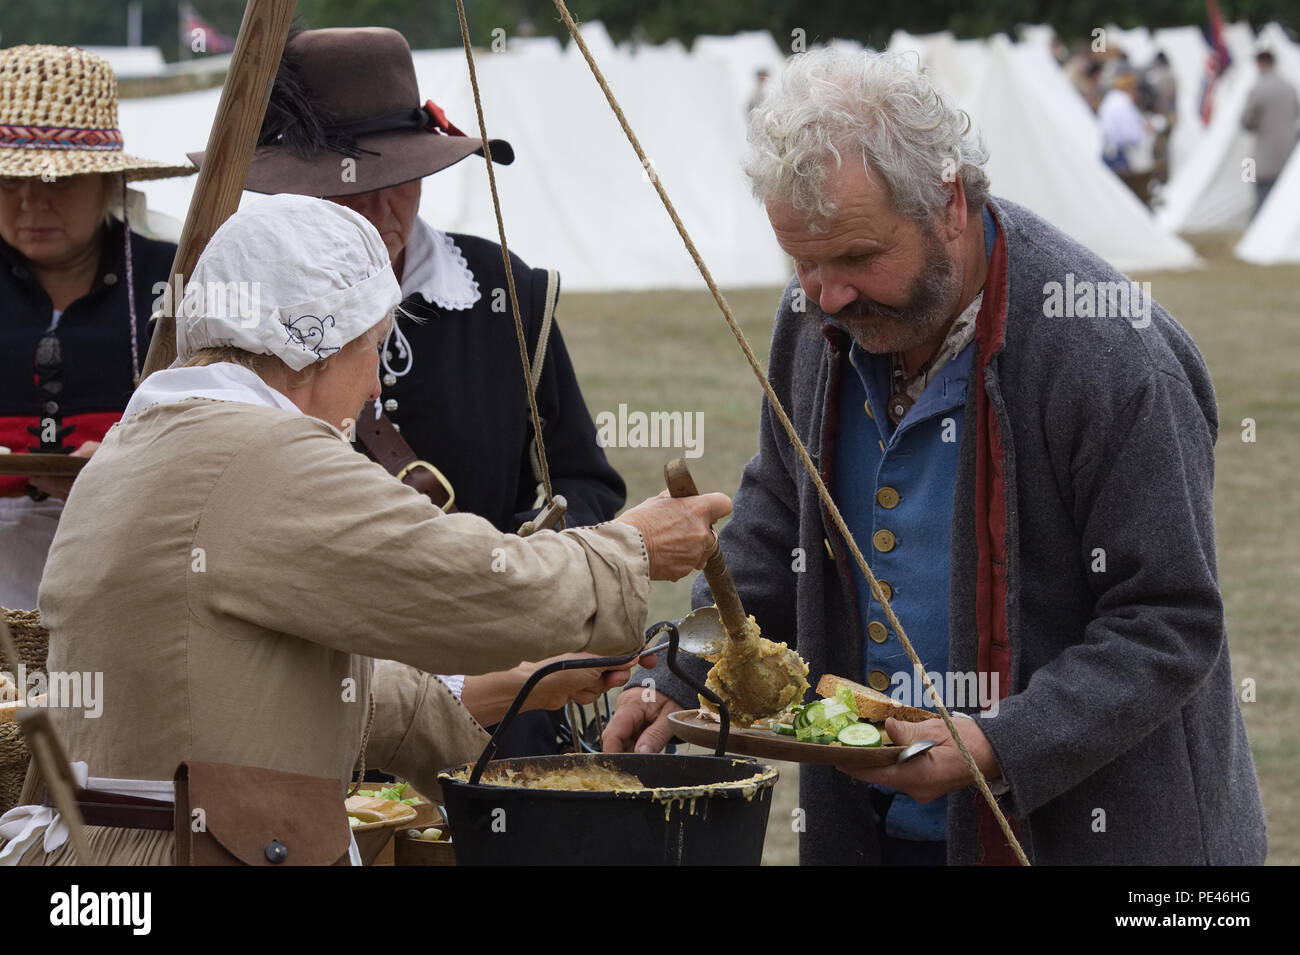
column 1033, row 492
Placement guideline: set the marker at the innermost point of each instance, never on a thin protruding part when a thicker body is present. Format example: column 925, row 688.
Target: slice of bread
column 871, row 704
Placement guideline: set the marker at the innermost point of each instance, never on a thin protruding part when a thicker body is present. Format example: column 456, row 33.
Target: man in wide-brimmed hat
column 346, row 121
column 75, row 284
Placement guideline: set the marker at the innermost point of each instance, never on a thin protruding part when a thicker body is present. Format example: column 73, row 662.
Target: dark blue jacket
column 464, row 408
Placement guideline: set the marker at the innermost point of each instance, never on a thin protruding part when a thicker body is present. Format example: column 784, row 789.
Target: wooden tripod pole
column 261, row 40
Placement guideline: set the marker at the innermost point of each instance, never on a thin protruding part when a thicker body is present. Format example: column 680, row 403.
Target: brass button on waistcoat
column 886, row 589
column 884, row 541
column 887, row 497
column 878, row 680
column 877, row 632
column 866, row 406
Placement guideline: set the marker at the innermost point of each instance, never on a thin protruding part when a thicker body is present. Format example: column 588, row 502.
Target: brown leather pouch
column 245, row 815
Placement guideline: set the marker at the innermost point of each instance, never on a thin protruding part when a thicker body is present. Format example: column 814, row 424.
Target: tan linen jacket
column 232, row 571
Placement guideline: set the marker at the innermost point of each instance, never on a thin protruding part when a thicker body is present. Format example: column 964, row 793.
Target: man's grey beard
column 879, row 328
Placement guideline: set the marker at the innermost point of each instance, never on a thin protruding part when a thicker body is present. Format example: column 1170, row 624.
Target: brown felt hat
column 345, row 117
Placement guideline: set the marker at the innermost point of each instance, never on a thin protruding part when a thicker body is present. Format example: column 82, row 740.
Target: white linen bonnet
column 289, row 276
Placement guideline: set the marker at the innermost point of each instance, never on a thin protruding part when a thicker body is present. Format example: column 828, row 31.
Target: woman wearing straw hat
column 344, row 122
column 248, row 565
column 75, row 283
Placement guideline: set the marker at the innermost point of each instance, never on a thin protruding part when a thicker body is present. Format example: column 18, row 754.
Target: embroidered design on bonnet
column 310, row 334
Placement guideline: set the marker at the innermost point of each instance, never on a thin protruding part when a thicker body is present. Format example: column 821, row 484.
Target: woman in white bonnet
column 233, row 567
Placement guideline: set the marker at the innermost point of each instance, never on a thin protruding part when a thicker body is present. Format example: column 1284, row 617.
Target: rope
column 130, row 284
column 505, row 255
column 361, row 756
column 775, row 403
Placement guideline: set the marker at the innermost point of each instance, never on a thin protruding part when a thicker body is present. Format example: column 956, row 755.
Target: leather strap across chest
column 387, row 446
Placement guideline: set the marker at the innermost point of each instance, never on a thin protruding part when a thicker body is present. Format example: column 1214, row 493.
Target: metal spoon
column 916, row 749
column 700, row 632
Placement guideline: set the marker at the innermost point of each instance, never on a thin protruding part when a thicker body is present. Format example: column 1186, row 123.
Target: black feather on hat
column 293, row 119
column 344, row 117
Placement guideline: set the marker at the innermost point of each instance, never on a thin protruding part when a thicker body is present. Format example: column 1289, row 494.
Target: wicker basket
column 33, row 644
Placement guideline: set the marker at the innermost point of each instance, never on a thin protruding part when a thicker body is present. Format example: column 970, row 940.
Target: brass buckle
column 442, row 479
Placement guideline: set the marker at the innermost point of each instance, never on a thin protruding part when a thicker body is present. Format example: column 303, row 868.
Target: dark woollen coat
column 464, row 408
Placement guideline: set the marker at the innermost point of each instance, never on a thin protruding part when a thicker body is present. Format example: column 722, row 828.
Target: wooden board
column 770, row 745
column 41, row 465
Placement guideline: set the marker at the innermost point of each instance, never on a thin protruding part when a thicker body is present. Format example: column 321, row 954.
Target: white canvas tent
column 1274, row 234
column 576, row 198
column 743, row 55
column 132, row 61
column 1137, row 43
column 1212, row 191
column 1045, row 148
column 1207, row 192
column 1186, row 50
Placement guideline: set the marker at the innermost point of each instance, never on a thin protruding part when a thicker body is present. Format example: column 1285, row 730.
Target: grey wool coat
column 1120, row 734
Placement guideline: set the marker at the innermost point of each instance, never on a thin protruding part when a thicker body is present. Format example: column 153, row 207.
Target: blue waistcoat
column 902, row 480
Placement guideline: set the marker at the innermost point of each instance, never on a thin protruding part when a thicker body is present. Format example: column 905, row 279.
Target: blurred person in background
column 1272, row 113
column 1122, row 127
column 76, row 284
column 1161, row 87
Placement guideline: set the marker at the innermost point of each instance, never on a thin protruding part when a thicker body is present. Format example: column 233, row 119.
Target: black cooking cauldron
column 695, row 810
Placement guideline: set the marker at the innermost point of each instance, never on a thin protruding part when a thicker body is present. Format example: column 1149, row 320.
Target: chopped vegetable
column 820, row 722
column 393, row 793
column 859, row 734
column 831, row 722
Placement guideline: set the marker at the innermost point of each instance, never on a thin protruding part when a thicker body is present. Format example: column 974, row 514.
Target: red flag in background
column 1216, row 61
column 198, row 32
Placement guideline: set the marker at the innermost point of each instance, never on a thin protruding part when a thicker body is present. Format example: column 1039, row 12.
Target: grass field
column 672, row 351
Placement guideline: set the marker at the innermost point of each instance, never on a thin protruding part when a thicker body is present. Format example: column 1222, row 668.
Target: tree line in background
column 433, row 23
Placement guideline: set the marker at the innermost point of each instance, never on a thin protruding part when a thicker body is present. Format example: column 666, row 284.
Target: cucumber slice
column 823, row 739
column 801, row 720
column 859, row 734
column 814, row 713
column 784, row 729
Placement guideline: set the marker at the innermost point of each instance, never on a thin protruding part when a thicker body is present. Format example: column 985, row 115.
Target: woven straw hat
column 58, row 117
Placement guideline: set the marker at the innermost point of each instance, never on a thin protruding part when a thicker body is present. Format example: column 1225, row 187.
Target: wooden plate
column 379, row 813
column 768, row 744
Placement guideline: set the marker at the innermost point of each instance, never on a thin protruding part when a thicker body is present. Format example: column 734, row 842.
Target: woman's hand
column 678, row 531
column 489, row 696
column 61, row 487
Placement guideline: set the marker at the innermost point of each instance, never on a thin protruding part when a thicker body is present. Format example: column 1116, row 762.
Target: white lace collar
column 436, row 269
